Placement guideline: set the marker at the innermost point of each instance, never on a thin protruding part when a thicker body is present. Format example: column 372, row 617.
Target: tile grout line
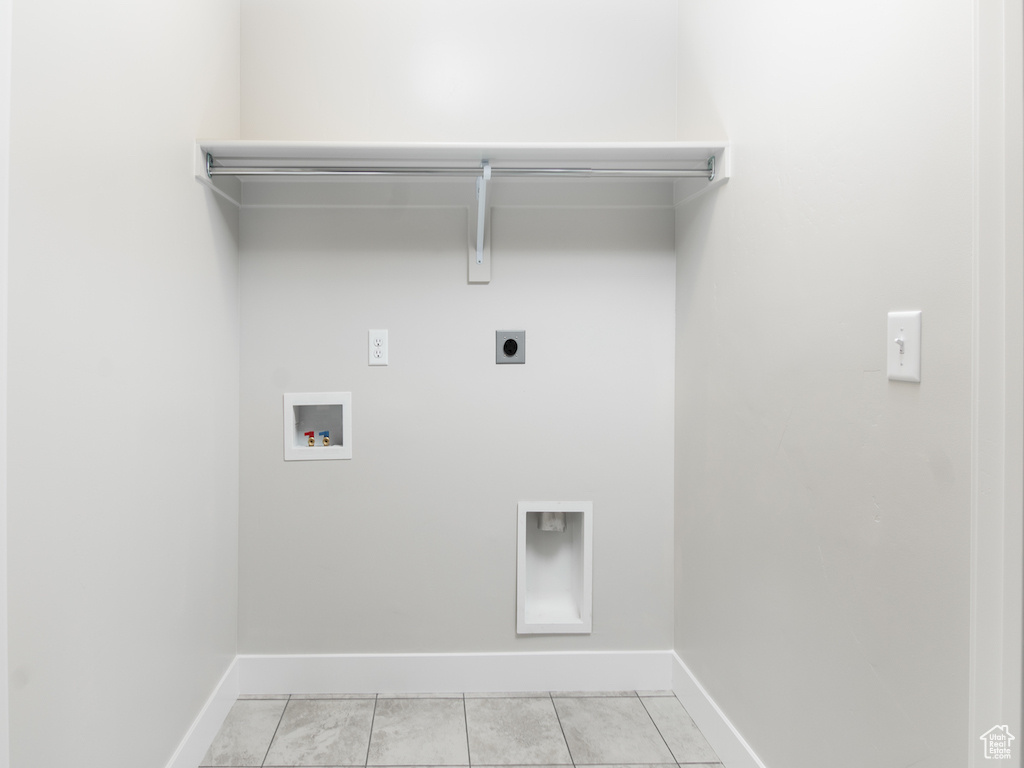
column 276, row 729
column 664, row 740
column 568, row 749
column 465, row 717
column 369, row 740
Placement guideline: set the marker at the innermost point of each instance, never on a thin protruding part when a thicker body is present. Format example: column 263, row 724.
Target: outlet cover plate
column 377, row 348
column 509, row 347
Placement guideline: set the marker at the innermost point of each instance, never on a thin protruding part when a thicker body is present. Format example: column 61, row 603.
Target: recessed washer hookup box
column 317, row 426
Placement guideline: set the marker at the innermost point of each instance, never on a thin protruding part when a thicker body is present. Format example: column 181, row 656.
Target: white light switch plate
column 378, row 347
column 904, row 346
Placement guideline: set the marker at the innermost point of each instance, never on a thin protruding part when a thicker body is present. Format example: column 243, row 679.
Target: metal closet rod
column 707, row 172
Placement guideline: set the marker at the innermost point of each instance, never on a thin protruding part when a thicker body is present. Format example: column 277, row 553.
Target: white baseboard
column 465, row 673
column 456, row 672
column 728, row 743
column 192, row 748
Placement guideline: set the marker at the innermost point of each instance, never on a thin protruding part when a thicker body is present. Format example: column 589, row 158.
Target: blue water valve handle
column 326, row 434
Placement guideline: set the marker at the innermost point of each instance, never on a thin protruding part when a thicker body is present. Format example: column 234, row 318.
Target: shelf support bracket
column 480, row 255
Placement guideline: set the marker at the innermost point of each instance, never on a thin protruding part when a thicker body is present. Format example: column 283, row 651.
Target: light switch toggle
column 904, row 352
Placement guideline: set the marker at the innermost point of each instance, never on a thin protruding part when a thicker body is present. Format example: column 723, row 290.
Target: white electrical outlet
column 378, row 347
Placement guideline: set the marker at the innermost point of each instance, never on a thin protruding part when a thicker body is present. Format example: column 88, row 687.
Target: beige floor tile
column 519, row 731
column 419, row 732
column 322, row 732
column 603, row 730
column 687, row 743
column 245, row 736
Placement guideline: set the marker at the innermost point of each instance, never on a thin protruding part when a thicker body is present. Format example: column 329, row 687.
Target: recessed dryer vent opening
column 554, row 574
column 317, row 425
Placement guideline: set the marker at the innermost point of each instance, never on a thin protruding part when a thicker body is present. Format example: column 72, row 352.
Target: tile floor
column 622, row 728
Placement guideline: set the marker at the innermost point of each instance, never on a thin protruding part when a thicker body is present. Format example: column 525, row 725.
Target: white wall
column 823, row 514
column 411, row 545
column 5, row 159
column 458, row 70
column 123, row 378
column 998, row 369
